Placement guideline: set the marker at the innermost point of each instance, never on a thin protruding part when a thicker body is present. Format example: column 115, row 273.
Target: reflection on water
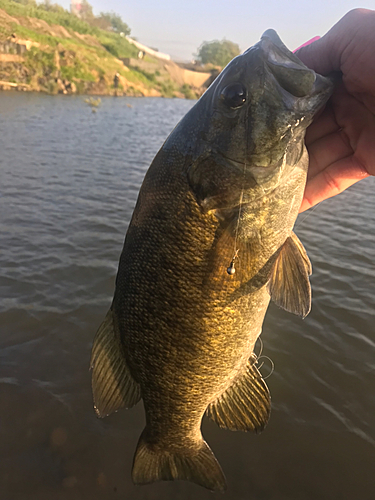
column 69, row 181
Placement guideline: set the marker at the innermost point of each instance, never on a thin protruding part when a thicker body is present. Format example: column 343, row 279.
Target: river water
column 68, row 183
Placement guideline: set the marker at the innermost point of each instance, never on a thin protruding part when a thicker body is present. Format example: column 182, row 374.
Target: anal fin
column 112, row 384
column 245, row 405
column 289, row 284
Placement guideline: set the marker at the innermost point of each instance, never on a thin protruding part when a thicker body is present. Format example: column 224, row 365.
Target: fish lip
column 235, row 163
column 278, row 58
column 255, row 169
column 245, row 164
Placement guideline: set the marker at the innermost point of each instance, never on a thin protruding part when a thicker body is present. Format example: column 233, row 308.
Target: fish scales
column 209, row 245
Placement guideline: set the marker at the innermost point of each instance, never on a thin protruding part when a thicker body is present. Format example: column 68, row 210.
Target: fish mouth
column 257, row 162
column 289, row 71
column 260, row 174
column 234, row 163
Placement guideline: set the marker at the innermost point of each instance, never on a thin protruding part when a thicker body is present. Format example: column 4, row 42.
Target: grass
column 29, row 34
column 77, row 72
column 63, row 18
column 117, row 45
column 188, row 92
column 135, row 76
column 168, row 88
column 40, row 61
column 78, row 61
column 149, row 76
column 113, row 42
column 90, row 63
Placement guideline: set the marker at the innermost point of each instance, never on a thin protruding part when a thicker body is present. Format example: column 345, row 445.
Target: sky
column 179, row 27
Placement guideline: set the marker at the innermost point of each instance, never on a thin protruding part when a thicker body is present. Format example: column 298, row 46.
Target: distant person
column 341, row 140
column 116, row 80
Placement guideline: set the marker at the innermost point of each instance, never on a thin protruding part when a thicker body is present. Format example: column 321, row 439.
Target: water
column 69, row 181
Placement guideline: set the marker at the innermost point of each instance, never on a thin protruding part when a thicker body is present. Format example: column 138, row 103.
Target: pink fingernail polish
column 307, row 43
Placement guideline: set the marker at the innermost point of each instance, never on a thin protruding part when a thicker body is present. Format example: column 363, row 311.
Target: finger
column 314, row 39
column 324, row 124
column 358, row 125
column 326, row 151
column 327, row 54
column 320, row 55
column 332, row 181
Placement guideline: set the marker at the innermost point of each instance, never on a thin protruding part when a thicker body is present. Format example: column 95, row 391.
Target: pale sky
column 178, row 27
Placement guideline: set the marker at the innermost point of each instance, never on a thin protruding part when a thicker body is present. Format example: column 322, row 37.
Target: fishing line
column 309, row 212
column 231, row 269
column 261, row 347
column 272, row 366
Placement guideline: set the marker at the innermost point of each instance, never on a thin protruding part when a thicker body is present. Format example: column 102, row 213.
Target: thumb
column 319, row 55
column 351, row 35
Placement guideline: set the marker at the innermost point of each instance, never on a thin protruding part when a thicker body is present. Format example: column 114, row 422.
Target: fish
column 209, row 244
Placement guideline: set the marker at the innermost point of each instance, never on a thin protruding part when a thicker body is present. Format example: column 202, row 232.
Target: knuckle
column 331, row 182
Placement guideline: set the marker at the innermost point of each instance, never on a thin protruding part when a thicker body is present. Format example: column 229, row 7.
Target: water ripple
column 69, row 182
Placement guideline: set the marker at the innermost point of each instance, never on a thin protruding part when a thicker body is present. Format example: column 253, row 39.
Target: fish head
column 260, row 106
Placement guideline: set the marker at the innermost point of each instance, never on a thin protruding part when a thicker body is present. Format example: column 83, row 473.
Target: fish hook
column 231, row 269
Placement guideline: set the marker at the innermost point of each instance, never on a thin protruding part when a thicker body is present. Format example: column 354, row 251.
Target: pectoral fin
column 289, row 284
column 245, row 405
column 112, row 384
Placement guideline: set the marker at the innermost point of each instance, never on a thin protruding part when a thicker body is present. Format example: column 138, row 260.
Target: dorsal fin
column 245, row 405
column 112, row 384
column 289, row 284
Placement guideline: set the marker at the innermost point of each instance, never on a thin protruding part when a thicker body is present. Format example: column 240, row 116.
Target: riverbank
column 54, row 52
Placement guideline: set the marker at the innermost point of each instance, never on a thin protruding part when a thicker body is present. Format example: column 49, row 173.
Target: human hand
column 341, row 140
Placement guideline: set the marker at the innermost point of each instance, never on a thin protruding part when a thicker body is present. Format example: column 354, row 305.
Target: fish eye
column 234, row 95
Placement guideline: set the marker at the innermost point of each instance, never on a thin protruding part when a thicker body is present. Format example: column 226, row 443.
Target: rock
column 60, row 86
column 70, row 87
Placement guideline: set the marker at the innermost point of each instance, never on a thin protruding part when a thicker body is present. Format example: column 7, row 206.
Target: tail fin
column 197, row 464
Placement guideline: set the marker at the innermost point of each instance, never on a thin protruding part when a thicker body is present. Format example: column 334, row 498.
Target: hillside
column 56, row 52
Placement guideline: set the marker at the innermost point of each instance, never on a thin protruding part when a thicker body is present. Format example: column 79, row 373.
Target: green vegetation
column 93, row 102
column 110, row 20
column 152, row 77
column 168, row 88
column 67, row 54
column 188, row 92
column 42, row 61
column 55, row 15
column 117, row 45
column 29, row 34
column 218, row 53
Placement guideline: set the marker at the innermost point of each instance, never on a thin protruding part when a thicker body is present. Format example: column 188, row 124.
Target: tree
column 26, row 2
column 51, row 7
column 217, row 52
column 115, row 21
column 86, row 13
column 102, row 22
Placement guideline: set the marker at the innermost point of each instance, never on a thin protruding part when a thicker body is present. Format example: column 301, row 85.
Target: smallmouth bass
column 209, row 244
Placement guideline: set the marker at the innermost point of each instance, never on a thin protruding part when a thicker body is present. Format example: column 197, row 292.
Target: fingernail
column 307, row 43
